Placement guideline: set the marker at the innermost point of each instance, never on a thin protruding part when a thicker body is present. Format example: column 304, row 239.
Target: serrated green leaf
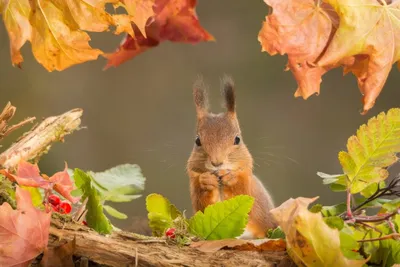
column 115, row 213
column 95, row 217
column 392, row 205
column 226, row 219
column 396, row 222
column 161, row 213
column 373, row 149
column 36, row 196
column 119, row 184
column 310, row 241
column 276, row 233
column 372, row 188
column 334, row 222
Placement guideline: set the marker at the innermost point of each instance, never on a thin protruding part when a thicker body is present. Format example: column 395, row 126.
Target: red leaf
column 63, row 184
column 29, row 175
column 174, row 20
column 24, row 232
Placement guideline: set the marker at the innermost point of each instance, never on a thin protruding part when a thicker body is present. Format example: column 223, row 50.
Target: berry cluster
column 59, row 206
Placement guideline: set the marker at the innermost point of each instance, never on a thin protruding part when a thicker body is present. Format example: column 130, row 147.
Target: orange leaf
column 174, row 20
column 300, row 29
column 16, row 19
column 377, row 37
column 60, row 255
column 24, row 232
column 63, row 184
column 141, row 11
column 29, row 175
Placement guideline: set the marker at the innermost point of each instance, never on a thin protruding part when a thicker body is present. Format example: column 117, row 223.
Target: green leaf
column 392, row 205
column 161, row 213
column 348, row 244
column 333, row 210
column 119, row 184
column 334, row 222
column 95, row 217
column 36, row 196
column 316, row 208
column 276, row 233
column 115, row 213
column 226, row 219
column 372, row 188
column 373, row 149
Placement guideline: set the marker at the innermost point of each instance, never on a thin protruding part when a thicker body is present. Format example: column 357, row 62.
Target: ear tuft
column 229, row 93
column 200, row 96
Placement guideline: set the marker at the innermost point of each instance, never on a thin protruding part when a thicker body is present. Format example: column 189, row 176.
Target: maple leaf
column 300, row 29
column 16, row 19
column 174, row 20
column 377, row 37
column 63, row 184
column 29, row 175
column 24, row 232
column 141, row 11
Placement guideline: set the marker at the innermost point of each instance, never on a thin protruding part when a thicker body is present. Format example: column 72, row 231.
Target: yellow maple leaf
column 371, row 28
column 58, row 43
column 16, row 19
column 141, row 11
column 90, row 15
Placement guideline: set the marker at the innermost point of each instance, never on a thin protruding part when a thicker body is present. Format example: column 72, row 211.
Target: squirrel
column 220, row 165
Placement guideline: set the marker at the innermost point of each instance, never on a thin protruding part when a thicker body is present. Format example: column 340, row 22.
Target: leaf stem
column 391, row 236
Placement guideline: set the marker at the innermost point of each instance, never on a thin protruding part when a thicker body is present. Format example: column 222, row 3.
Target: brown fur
column 234, row 172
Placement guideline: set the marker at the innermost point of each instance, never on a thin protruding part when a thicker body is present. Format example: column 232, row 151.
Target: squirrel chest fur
column 220, row 165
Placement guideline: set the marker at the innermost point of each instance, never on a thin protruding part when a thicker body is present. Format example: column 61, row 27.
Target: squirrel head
column 219, row 144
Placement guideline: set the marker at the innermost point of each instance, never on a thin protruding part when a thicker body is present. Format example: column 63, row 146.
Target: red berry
column 53, row 200
column 84, row 223
column 65, row 207
column 170, row 233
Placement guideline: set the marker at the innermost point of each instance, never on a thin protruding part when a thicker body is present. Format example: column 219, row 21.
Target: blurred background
column 142, row 111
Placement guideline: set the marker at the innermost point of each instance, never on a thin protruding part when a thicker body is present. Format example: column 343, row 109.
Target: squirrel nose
column 216, row 164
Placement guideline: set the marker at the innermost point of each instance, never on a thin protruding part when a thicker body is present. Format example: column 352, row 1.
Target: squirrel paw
column 208, row 181
column 226, row 177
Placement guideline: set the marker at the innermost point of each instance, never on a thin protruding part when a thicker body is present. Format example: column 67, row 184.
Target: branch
column 37, row 142
column 128, row 249
column 5, row 116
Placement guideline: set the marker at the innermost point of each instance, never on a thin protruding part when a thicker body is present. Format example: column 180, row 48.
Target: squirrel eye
column 237, row 140
column 198, row 143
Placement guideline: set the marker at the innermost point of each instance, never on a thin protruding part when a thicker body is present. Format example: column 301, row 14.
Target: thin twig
column 370, row 226
column 391, row 236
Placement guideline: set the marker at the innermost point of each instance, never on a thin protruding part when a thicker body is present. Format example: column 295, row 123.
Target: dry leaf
column 24, row 232
column 310, row 241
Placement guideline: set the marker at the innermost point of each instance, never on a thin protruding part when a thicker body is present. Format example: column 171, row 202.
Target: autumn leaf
column 16, row 19
column 29, row 175
column 377, row 37
column 174, row 20
column 24, row 232
column 300, row 29
column 63, row 184
column 310, row 241
column 141, row 11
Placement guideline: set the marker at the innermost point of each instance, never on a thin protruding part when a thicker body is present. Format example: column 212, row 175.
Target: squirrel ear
column 200, row 97
column 229, row 94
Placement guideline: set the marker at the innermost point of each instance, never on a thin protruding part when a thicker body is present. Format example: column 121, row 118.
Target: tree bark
column 128, row 249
